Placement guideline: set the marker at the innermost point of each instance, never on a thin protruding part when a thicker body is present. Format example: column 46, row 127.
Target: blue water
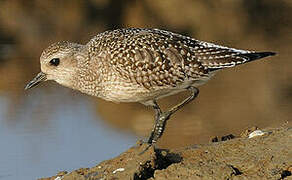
column 50, row 131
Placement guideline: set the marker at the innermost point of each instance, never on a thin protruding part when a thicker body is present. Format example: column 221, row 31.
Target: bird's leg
column 162, row 117
column 158, row 113
column 194, row 93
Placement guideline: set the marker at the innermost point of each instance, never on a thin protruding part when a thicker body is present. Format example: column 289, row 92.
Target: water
column 47, row 132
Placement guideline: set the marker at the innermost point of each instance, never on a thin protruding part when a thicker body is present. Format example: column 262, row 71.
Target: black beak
column 38, row 79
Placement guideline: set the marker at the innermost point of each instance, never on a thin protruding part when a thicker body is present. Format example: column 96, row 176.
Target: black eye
column 55, row 62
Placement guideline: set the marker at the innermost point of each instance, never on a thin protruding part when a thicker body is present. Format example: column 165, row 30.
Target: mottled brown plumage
column 139, row 65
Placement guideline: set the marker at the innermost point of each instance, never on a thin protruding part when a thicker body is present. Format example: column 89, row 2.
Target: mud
column 264, row 156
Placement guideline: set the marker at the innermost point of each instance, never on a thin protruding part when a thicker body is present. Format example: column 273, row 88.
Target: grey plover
column 139, row 65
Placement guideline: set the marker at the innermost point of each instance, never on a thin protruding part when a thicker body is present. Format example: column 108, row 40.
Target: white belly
column 129, row 92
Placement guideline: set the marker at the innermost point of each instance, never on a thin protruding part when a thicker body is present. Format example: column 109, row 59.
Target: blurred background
column 51, row 128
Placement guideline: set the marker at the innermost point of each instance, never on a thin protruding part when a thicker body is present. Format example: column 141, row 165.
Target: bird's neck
column 88, row 77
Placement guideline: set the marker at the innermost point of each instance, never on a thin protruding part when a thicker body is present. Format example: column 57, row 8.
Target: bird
column 139, row 65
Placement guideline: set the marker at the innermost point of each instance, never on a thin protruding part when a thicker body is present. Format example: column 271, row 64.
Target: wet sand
column 266, row 155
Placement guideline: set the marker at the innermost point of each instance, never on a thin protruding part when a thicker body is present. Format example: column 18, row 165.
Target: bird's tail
column 240, row 58
column 255, row 55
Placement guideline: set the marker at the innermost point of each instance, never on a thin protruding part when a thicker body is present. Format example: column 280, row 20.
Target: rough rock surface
column 267, row 156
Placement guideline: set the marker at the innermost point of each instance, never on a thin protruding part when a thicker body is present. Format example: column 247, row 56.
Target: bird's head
column 58, row 63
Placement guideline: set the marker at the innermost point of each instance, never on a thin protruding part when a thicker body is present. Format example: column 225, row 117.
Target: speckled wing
column 155, row 58
column 212, row 56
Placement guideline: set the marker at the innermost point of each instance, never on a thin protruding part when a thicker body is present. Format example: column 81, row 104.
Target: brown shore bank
column 263, row 154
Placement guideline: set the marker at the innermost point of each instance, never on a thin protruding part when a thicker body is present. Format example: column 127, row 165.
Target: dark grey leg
column 162, row 117
column 158, row 113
